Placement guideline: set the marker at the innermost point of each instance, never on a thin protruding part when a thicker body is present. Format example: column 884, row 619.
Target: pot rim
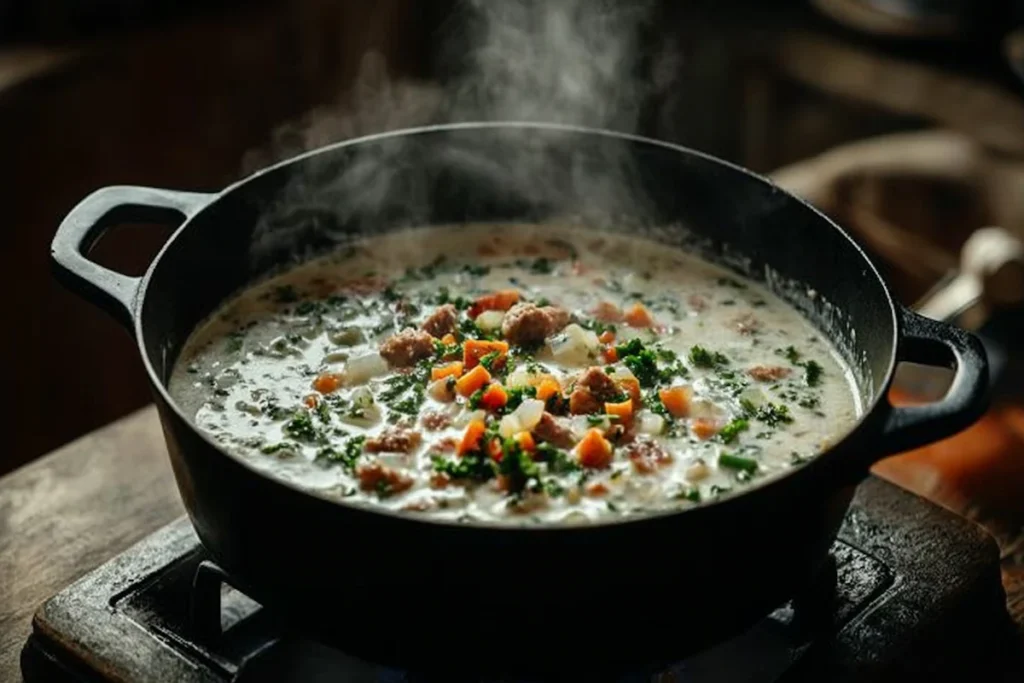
column 815, row 467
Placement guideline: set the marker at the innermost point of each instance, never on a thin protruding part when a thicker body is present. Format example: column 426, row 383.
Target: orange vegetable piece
column 594, row 450
column 494, row 450
column 609, row 354
column 475, row 349
column 704, row 428
column 311, row 401
column 548, row 388
column 639, row 316
column 632, row 387
column 327, row 382
column 606, row 337
column 676, row 400
column 448, row 339
column 475, row 379
column 499, row 301
column 624, row 410
column 607, row 312
column 471, row 437
column 526, row 442
column 453, row 369
column 494, row 397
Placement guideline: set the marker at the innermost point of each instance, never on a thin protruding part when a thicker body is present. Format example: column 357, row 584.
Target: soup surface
column 520, row 374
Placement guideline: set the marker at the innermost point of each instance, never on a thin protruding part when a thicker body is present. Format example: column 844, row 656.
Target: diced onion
column 573, row 345
column 581, row 424
column 361, row 369
column 754, row 395
column 440, row 391
column 468, row 416
column 621, row 372
column 704, row 409
column 346, row 336
column 529, row 413
column 489, row 320
column 509, row 426
column 697, row 471
column 650, row 423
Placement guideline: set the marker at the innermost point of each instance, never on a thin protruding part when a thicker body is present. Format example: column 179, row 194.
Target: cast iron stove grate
column 912, row 591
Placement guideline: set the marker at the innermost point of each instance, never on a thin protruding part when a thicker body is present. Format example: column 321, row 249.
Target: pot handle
column 112, row 291
column 931, row 342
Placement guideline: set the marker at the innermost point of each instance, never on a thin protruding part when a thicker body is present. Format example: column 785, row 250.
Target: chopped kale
column 690, row 493
column 405, row 393
column 518, row 467
column 323, row 411
column 809, row 402
column 772, row 414
column 516, row 395
column 559, row 461
column 702, row 358
column 731, row 431
column 790, row 353
column 475, row 398
column 282, row 448
column 475, row 466
column 346, row 456
column 308, row 308
column 488, row 360
column 301, row 427
column 737, row 462
column 442, row 350
column 812, row 373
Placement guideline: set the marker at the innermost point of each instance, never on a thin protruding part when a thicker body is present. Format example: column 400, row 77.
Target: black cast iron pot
column 401, row 588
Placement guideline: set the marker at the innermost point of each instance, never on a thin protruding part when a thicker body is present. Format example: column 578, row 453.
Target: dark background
column 188, row 95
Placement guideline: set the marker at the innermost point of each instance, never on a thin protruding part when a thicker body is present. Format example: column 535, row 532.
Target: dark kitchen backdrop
column 904, row 119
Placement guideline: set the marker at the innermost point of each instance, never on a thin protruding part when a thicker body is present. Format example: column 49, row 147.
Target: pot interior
column 521, row 173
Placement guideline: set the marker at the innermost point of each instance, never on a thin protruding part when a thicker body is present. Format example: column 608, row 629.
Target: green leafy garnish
column 347, row 456
column 517, row 465
column 301, row 427
column 702, row 358
column 475, row 466
column 731, row 431
column 516, row 395
column 812, row 373
column 488, row 360
column 772, row 414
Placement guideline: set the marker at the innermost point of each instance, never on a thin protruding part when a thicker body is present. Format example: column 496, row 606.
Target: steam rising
column 570, row 62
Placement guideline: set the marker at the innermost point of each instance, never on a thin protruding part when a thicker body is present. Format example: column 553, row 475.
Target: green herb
column 559, row 461
column 553, row 488
column 595, row 420
column 809, row 402
column 641, row 361
column 737, row 462
column 702, row 358
column 301, row 427
column 611, row 506
column 771, row 414
column 475, row 466
column 310, row 308
column 691, row 493
column 390, row 294
column 347, row 456
column 516, row 395
column 518, row 467
column 812, row 373
column 790, row 353
column 488, row 360
column 673, row 427
column 477, row 270
column 731, row 431
column 405, row 393
column 278, row 447
column 442, row 350
column 323, row 411
column 475, row 398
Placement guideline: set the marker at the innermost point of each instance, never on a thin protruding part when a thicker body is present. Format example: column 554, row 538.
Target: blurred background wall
column 193, row 95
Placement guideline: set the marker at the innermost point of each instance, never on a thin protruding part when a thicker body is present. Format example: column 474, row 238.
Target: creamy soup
column 519, row 374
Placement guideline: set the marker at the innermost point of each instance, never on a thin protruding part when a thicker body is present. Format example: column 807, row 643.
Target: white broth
column 519, row 374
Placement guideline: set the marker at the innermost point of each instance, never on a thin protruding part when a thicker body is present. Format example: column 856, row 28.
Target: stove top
column 912, row 590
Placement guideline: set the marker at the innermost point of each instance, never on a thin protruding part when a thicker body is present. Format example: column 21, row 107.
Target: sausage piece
column 592, row 390
column 526, row 323
column 549, row 430
column 407, row 347
column 374, row 476
column 393, row 440
column 769, row 373
column 445, row 320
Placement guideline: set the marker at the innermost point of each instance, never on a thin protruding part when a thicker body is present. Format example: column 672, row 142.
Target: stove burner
column 910, row 589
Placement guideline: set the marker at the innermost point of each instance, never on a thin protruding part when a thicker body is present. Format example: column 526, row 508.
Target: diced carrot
column 448, row 339
column 676, row 400
column 475, row 379
column 639, row 316
column 453, row 369
column 594, row 450
column 598, row 488
column 609, row 354
column 471, row 438
column 311, row 401
column 704, row 428
column 547, row 388
column 606, row 337
column 494, row 450
column 498, row 301
column 475, row 349
column 494, row 397
column 632, row 387
column 327, row 382
column 526, row 442
column 624, row 410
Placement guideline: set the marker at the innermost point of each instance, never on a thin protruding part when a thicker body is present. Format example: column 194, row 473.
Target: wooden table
column 67, row 512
